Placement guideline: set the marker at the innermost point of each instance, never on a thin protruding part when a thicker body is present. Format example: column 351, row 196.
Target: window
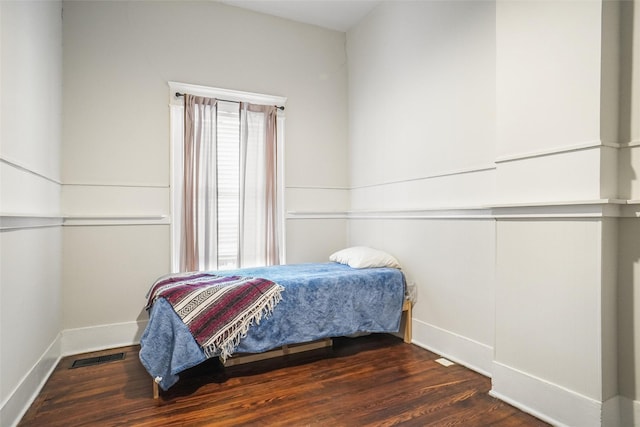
column 229, row 201
column 228, row 190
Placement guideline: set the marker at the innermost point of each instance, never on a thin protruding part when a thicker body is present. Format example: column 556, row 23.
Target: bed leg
column 156, row 390
column 406, row 308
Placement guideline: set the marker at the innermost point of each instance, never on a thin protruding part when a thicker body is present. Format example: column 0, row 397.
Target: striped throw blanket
column 218, row 310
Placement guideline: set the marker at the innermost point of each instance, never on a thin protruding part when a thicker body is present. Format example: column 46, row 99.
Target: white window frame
column 176, row 110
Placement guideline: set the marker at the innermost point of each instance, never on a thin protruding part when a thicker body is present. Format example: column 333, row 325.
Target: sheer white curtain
column 198, row 243
column 229, row 206
column 258, row 186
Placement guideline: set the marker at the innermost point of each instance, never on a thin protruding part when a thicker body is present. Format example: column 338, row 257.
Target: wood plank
column 237, row 359
column 374, row 380
column 241, row 358
column 407, row 312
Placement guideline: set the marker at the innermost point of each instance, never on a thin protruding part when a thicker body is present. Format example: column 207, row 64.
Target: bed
column 317, row 301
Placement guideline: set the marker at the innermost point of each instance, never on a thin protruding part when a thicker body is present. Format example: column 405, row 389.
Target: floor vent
column 91, row 361
column 445, row 362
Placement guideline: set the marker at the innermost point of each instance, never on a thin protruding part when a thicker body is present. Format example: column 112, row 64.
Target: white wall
column 551, row 293
column 628, row 315
column 488, row 152
column 109, row 179
column 118, row 58
column 481, row 152
column 30, row 232
column 629, row 227
column 424, row 73
column 422, row 144
column 557, row 102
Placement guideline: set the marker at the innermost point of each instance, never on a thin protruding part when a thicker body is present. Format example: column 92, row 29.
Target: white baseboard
column 68, row 342
column 549, row 402
column 462, row 350
column 544, row 400
column 94, row 338
column 19, row 400
column 611, row 413
column 628, row 413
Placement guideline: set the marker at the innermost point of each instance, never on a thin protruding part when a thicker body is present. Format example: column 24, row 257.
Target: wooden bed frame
column 240, row 359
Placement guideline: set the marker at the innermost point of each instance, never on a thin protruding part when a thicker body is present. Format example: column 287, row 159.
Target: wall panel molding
column 20, row 222
column 114, row 202
column 28, row 192
column 26, row 169
column 440, row 174
column 297, row 215
column 630, row 144
column 587, row 145
column 505, row 158
column 558, row 176
column 464, row 187
column 298, row 198
column 512, row 187
column 597, row 208
column 116, row 220
column 116, row 185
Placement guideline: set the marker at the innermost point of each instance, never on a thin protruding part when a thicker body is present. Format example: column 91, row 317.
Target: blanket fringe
column 226, row 343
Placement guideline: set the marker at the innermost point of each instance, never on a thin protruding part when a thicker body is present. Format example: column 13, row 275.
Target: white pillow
column 364, row 257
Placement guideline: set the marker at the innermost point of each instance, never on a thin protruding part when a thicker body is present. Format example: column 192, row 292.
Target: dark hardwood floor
column 375, row 380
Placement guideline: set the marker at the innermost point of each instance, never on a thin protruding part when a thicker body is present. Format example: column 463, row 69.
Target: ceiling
column 339, row 15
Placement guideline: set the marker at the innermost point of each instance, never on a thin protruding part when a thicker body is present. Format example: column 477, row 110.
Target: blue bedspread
column 319, row 301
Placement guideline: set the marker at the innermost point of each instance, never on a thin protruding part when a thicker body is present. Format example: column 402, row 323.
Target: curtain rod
column 279, row 107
